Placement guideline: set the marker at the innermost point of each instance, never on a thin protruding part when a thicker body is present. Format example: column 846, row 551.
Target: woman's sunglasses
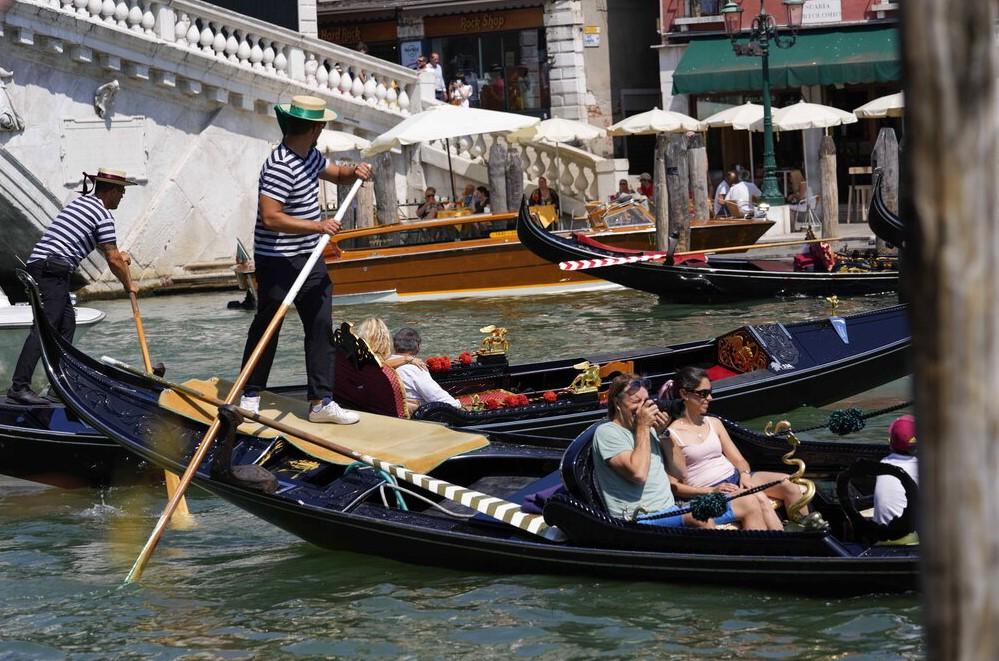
column 637, row 384
column 703, row 393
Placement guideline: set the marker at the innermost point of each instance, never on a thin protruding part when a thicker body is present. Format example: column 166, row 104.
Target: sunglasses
column 703, row 393
column 635, row 385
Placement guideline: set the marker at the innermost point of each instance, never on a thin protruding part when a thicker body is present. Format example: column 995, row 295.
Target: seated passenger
column 430, row 207
column 376, row 335
column 480, row 202
column 543, row 195
column 633, row 466
column 889, row 496
column 623, row 194
column 708, row 458
column 420, row 386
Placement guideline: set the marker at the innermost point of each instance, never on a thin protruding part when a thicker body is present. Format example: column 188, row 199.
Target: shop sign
column 822, row 11
column 409, row 53
column 591, row 36
column 348, row 34
column 479, row 22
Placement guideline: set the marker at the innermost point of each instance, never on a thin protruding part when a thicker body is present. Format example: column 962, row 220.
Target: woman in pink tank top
column 706, row 454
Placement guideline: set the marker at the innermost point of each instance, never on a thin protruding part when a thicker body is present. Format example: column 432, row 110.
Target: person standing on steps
column 84, row 224
column 288, row 227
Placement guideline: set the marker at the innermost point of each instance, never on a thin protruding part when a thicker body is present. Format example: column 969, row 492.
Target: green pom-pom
column 708, row 506
column 846, row 421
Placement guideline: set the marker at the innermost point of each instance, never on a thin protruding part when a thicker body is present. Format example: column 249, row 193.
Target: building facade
column 846, row 53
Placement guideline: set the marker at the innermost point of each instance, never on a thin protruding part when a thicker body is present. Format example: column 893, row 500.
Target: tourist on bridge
column 82, row 225
column 288, row 227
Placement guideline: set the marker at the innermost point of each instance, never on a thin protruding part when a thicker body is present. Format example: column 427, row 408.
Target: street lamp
column 764, row 30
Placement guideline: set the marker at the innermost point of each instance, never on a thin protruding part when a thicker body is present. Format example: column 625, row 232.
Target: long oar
column 182, row 516
column 492, row 506
column 579, row 264
column 185, row 480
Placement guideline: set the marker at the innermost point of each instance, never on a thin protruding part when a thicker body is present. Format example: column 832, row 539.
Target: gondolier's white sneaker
column 331, row 412
column 251, row 404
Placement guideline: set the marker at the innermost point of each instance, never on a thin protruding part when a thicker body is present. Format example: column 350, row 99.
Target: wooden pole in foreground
column 237, row 387
column 661, row 194
column 182, row 516
column 951, row 275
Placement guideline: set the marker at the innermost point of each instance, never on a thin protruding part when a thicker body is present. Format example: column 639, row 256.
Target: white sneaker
column 251, row 404
column 332, row 412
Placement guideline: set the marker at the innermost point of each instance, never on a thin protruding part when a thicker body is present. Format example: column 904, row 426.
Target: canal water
column 238, row 588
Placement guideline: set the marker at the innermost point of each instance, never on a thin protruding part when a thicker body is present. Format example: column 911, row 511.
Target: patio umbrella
column 655, row 121
column 443, row 122
column 554, row 131
column 892, row 105
column 740, row 118
column 331, row 142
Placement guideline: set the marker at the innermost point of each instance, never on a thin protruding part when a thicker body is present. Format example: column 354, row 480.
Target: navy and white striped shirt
column 76, row 231
column 292, row 181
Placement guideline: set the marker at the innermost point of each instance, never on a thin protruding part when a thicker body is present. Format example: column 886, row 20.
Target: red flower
column 465, row 358
column 492, row 403
column 550, row 396
column 511, row 400
column 438, row 363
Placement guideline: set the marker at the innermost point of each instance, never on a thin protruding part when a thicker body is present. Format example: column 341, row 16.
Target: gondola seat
column 578, row 473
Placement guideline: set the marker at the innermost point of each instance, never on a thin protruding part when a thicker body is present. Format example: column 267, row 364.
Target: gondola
column 757, row 369
column 886, row 225
column 348, row 508
column 711, row 279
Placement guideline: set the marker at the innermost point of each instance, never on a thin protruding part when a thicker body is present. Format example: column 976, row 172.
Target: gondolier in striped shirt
column 289, row 224
column 84, row 224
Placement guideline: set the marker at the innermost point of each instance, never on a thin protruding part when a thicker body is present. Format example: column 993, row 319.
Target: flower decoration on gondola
column 846, row 421
column 492, row 403
column 549, row 396
column 439, row 363
column 516, row 400
column 465, row 358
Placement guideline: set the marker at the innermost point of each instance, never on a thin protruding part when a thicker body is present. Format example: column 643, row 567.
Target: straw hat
column 110, row 176
column 304, row 107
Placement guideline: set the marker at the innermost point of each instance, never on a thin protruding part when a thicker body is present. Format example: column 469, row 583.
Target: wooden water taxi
column 480, row 255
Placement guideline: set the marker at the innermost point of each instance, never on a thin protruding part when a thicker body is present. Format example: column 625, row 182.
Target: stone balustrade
column 151, row 40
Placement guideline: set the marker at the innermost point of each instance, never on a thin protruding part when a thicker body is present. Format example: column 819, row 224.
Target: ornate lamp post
column 764, row 30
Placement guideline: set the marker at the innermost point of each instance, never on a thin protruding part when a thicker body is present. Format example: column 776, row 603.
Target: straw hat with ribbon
column 309, row 108
column 109, row 176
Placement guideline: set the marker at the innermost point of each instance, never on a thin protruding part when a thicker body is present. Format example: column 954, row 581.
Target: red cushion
column 803, row 263
column 718, row 372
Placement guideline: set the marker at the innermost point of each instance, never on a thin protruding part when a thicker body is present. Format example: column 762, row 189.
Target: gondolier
column 288, row 227
column 82, row 225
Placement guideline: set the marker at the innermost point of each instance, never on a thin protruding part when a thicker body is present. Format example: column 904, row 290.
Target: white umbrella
column 655, row 121
column 740, row 118
column 892, row 105
column 443, row 122
column 554, row 131
column 331, row 142
column 802, row 115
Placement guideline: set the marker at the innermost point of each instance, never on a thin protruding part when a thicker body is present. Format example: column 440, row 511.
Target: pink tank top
column 706, row 465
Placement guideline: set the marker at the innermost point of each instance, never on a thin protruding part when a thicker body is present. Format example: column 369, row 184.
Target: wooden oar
column 237, row 387
column 497, row 508
column 579, row 264
column 182, row 516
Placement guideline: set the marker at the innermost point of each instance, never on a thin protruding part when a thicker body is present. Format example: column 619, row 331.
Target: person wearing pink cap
column 889, row 496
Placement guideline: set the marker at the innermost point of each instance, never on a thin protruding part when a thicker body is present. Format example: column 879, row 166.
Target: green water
column 238, row 588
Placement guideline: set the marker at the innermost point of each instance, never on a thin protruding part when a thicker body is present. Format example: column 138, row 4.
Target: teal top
column 623, row 497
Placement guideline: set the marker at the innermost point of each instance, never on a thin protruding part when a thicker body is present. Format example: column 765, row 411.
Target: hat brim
column 125, row 181
column 284, row 110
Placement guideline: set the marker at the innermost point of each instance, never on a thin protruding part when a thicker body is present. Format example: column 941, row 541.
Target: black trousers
column 52, row 276
column 275, row 276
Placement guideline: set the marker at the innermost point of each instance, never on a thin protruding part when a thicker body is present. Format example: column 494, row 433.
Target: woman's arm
column 728, row 448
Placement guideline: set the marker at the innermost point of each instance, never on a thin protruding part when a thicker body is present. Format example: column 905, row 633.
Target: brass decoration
column 833, row 302
column 588, row 380
column 740, row 352
column 797, row 523
column 475, row 404
column 495, row 343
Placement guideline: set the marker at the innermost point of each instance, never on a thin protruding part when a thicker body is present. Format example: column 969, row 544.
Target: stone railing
column 578, row 173
column 194, row 30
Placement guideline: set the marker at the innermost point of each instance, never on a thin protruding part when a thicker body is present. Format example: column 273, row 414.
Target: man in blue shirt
column 288, row 227
column 84, row 224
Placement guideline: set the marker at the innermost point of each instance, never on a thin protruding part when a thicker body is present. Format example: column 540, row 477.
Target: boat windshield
column 485, row 227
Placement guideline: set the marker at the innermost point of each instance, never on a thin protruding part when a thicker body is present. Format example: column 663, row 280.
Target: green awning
column 819, row 57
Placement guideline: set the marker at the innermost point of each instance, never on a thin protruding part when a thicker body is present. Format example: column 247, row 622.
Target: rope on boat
column 708, row 504
column 846, row 421
column 386, row 479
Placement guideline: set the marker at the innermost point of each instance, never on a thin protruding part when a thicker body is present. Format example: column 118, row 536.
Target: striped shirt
column 76, row 231
column 292, row 181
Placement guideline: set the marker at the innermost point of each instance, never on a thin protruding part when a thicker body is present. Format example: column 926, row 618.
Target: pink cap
column 902, row 434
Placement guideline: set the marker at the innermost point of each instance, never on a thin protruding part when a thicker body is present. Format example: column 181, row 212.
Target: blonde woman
column 376, row 335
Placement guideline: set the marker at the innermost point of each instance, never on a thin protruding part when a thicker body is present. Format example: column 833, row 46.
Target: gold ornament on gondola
column 797, row 523
column 833, row 302
column 588, row 380
column 495, row 343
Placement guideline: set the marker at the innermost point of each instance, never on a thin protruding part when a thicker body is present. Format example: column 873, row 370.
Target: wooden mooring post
column 661, row 194
column 677, row 183
column 697, row 167
column 885, row 158
column 951, row 207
